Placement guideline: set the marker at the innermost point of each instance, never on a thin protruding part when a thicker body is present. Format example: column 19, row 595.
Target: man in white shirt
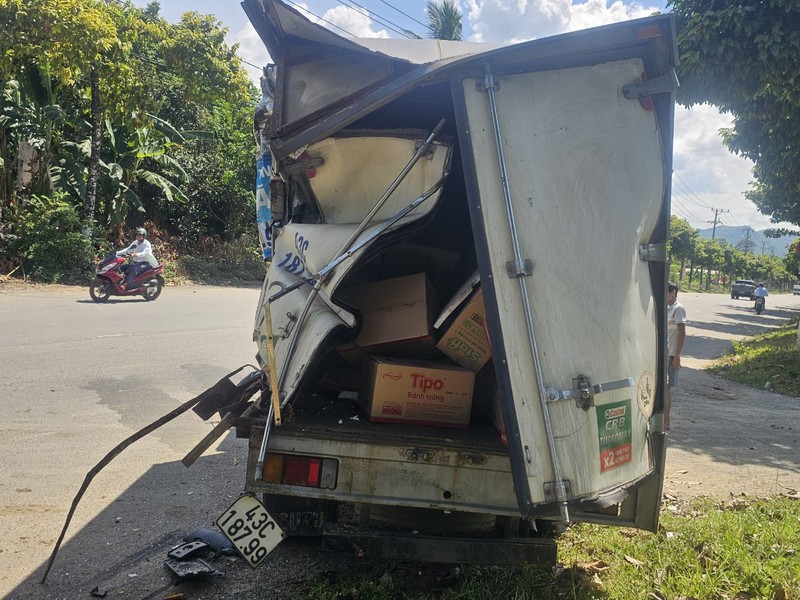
column 676, row 335
column 141, row 252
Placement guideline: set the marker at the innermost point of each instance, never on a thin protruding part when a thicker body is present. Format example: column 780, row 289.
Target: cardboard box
column 466, row 340
column 397, row 315
column 416, row 392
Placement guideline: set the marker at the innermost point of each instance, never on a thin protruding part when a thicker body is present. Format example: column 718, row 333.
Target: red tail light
column 301, row 470
column 305, row 471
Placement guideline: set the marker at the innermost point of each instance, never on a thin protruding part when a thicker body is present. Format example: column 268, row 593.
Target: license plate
column 249, row 527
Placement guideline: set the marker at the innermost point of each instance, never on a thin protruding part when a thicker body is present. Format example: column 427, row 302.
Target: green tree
column 682, row 242
column 792, row 260
column 113, row 96
column 741, row 56
column 49, row 44
column 444, row 20
column 715, row 259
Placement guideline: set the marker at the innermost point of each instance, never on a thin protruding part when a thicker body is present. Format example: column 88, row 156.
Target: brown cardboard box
column 397, row 315
column 466, row 341
column 416, row 392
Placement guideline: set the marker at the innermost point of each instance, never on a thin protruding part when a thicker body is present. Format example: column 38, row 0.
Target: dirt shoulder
column 729, row 439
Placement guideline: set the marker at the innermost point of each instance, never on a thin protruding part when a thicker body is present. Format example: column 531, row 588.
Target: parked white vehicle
column 796, row 290
column 539, row 172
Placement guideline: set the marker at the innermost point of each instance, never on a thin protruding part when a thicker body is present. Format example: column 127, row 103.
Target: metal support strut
column 517, row 269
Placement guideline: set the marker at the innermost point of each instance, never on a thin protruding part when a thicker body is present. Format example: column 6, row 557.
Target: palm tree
column 444, row 20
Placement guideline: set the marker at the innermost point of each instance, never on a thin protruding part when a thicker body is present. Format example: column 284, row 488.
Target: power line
column 676, row 203
column 677, row 195
column 303, row 8
column 689, row 193
column 375, row 17
column 404, row 14
column 686, row 186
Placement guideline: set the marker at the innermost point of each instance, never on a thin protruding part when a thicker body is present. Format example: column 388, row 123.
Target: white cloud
column 709, row 171
column 355, row 22
column 251, row 50
column 715, row 176
column 520, row 20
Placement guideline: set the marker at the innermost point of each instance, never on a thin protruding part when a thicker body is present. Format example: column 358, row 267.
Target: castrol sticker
column 644, row 393
column 614, row 433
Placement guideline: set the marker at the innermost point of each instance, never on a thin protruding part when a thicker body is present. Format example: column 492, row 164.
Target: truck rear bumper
column 424, row 548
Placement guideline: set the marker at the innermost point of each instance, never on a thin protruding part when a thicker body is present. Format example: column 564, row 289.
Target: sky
column 706, row 176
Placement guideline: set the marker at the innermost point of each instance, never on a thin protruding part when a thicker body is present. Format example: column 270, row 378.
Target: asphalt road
column 76, row 378
column 714, row 320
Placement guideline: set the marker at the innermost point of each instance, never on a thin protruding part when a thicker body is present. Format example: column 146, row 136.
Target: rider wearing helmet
column 761, row 292
column 141, row 253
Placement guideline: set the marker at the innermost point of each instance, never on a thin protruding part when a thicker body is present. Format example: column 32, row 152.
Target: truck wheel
column 734, row 296
column 429, row 520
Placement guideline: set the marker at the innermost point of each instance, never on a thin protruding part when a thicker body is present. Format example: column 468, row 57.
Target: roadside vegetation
column 711, row 266
column 740, row 549
column 112, row 118
column 768, row 361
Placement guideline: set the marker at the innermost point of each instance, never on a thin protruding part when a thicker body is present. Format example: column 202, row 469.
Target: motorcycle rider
column 761, row 292
column 141, row 253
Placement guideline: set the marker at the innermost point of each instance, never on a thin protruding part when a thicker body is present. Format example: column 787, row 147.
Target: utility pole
column 717, row 212
column 747, row 242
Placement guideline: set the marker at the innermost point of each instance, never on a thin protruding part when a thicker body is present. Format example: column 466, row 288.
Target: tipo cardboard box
column 416, row 392
column 466, row 341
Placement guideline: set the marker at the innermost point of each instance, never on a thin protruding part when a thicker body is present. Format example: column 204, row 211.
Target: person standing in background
column 676, row 336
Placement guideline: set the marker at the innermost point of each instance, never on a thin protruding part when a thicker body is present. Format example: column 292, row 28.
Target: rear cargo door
column 567, row 183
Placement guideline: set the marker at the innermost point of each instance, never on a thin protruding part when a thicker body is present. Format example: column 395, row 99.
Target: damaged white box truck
column 461, row 333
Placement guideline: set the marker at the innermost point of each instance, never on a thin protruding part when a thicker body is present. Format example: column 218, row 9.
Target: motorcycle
column 759, row 305
column 110, row 277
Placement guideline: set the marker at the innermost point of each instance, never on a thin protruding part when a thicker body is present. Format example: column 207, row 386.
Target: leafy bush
column 215, row 261
column 49, row 240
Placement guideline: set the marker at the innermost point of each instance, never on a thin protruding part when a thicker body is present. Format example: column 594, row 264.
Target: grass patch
column 770, row 361
column 739, row 550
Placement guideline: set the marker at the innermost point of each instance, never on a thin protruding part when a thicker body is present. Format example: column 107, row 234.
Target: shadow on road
column 148, row 519
column 736, row 425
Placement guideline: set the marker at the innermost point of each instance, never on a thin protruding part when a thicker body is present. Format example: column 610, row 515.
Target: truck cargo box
column 541, row 168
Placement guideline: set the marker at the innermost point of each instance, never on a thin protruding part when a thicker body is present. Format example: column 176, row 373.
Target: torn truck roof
column 327, row 81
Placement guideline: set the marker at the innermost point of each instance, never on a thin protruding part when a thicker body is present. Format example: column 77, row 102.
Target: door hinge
column 651, row 87
column 653, row 252
column 550, row 490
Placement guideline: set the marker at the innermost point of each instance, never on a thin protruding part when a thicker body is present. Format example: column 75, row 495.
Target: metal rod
column 262, row 453
column 273, row 371
column 356, row 247
column 423, row 149
column 386, row 225
column 561, row 492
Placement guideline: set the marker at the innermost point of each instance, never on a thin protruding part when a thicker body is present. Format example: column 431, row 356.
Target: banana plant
column 126, row 167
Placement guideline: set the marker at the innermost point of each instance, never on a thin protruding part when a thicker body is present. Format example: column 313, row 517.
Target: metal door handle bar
column 520, row 272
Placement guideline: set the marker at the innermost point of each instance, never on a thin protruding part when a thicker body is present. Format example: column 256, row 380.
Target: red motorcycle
column 110, row 278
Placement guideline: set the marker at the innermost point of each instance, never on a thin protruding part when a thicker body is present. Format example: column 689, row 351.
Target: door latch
column 584, row 392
